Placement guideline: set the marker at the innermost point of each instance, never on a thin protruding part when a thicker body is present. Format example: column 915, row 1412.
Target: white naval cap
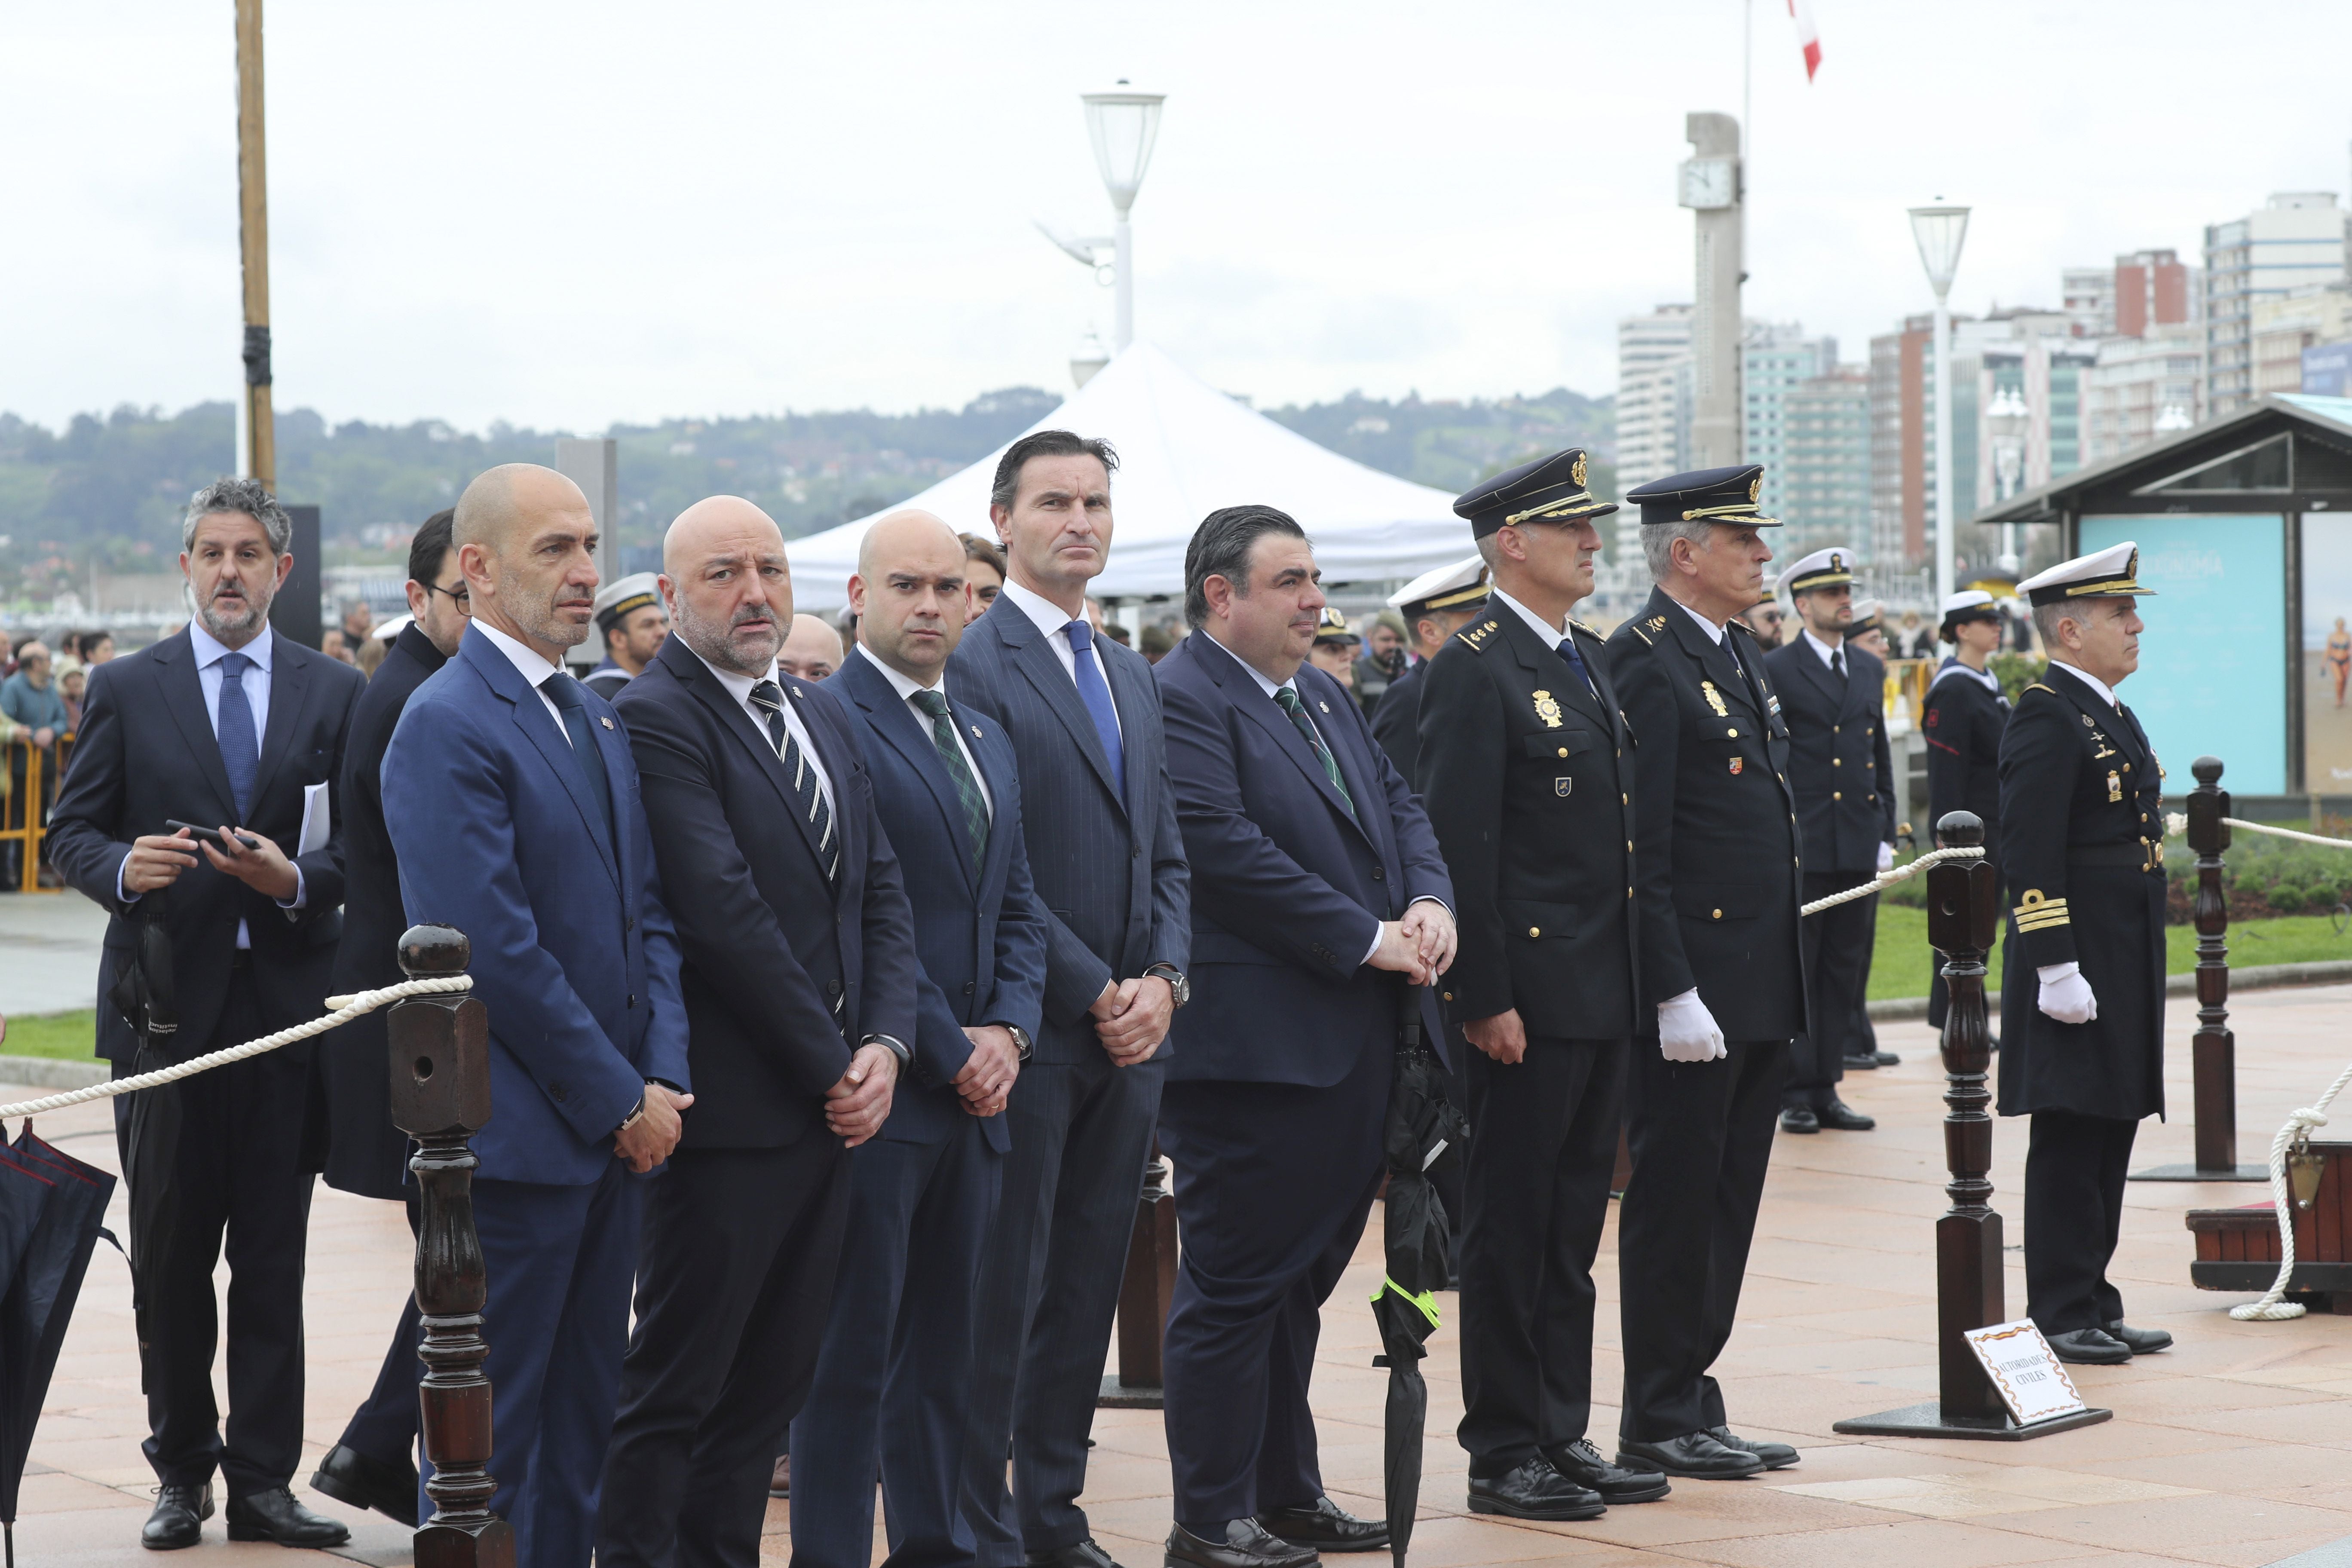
column 1865, row 617
column 1967, row 599
column 1823, row 569
column 2112, row 573
column 1454, row 588
column 617, row 599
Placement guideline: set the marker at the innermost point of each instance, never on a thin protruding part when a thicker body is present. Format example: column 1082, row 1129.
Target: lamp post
column 1123, row 124
column 1939, row 231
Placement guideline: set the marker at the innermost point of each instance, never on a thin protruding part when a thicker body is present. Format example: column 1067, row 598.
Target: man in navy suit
column 515, row 815
column 896, row 1370
column 227, row 723
column 1317, row 883
column 1084, row 716
column 800, row 978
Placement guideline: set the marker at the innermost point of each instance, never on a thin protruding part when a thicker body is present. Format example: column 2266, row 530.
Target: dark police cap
column 1705, row 495
column 1550, row 490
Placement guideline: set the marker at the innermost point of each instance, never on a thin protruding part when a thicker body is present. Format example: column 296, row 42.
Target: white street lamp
column 1939, row 231
column 1123, row 124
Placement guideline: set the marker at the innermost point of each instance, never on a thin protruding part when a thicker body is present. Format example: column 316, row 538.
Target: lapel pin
column 607, row 722
column 975, row 731
column 1323, row 705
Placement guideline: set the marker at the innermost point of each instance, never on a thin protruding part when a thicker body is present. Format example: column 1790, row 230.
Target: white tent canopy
column 1185, row 450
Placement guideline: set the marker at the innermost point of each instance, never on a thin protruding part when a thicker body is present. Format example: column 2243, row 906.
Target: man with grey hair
column 1716, row 869
column 231, row 726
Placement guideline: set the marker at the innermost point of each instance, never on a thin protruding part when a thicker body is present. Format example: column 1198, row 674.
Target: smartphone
column 210, row 835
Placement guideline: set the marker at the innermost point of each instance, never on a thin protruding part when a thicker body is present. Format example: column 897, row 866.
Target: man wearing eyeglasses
column 372, row 1466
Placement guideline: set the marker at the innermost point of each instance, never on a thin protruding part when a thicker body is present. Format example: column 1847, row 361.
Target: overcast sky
column 567, row 215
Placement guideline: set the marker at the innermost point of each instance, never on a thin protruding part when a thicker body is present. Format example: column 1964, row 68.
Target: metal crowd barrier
column 30, row 776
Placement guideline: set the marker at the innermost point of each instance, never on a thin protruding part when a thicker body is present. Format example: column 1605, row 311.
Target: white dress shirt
column 1054, row 621
column 1714, row 632
column 2107, row 693
column 907, row 688
column 209, row 650
column 1822, row 650
column 531, row 666
column 739, row 688
column 1553, row 636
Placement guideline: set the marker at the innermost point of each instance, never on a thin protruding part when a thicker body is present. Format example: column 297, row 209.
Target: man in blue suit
column 514, row 811
column 896, row 1370
column 1084, row 717
column 1317, row 883
column 800, row 978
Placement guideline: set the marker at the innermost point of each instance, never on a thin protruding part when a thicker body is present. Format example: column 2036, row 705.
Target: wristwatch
column 894, row 1045
column 1181, row 987
column 635, row 1117
column 1021, row 1041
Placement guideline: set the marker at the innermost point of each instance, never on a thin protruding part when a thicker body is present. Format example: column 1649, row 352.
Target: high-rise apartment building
column 1902, row 443
column 2090, row 299
column 2298, row 239
column 2152, row 289
column 2142, row 388
column 2283, row 327
column 1653, row 407
column 1825, row 486
column 1774, row 359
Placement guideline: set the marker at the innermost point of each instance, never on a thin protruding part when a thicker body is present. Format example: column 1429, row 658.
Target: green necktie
column 975, row 804
column 1288, row 698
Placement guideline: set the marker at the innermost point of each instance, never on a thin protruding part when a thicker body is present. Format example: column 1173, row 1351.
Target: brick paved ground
column 2235, row 1447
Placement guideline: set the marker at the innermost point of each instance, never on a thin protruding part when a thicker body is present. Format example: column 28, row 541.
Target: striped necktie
column 943, row 737
column 769, row 697
column 1288, row 698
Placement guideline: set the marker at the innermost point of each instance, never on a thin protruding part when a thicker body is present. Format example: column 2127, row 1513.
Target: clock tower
column 1710, row 181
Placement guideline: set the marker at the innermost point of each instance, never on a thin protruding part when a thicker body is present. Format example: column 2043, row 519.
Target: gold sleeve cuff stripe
column 2044, row 920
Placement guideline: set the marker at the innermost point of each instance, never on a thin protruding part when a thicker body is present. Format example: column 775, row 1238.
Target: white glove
column 2065, row 994
column 1885, row 858
column 1686, row 1030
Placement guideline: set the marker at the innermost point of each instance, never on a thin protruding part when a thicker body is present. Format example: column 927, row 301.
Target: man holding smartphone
column 228, row 724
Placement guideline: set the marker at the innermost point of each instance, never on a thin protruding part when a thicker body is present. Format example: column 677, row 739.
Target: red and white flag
column 1809, row 37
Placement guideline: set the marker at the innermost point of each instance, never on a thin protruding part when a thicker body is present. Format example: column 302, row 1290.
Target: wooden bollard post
column 2213, row 1053
column 440, row 1066
column 1145, row 1292
column 1970, row 1286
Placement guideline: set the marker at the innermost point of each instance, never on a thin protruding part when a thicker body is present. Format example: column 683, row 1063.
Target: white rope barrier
column 2272, row 1308
column 346, row 1008
column 2177, row 823
column 1888, row 878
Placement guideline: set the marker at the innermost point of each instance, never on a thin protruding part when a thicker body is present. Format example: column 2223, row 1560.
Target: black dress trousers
column 1702, row 1137
column 240, row 1178
column 1836, row 948
column 1543, row 1145
column 2074, row 1169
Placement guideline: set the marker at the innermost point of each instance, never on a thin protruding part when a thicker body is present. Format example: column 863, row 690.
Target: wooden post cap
column 1957, row 830
column 434, row 950
column 2206, row 770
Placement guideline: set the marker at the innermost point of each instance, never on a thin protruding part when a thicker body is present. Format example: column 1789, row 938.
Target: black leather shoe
column 1243, row 1544
column 1325, row 1526
column 1693, row 1454
column 1583, row 1465
column 1887, row 1059
column 2090, row 1347
column 1800, row 1119
column 1535, row 1490
column 1083, row 1555
column 1776, row 1455
column 179, row 1518
column 276, row 1516
column 1840, row 1117
column 779, row 1481
column 364, row 1482
column 1867, row 1061
column 2139, row 1341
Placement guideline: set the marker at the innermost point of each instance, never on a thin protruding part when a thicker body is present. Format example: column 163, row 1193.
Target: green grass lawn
column 71, row 1036
column 1900, row 965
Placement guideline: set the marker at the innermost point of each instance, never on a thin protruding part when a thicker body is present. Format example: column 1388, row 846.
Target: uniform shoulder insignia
column 1580, row 625
column 1648, row 630
column 2037, row 686
column 1476, row 636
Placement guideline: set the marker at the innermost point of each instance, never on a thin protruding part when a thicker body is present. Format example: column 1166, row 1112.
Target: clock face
column 1710, row 182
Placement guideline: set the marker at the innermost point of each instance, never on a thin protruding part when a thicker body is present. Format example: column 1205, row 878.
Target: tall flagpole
column 261, row 454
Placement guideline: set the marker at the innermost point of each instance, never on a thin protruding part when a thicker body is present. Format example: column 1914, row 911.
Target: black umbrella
column 147, row 1125
column 1425, row 1132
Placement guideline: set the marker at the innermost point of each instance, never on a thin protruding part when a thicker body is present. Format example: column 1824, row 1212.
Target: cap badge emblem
column 1837, row 561
column 1714, row 699
column 1548, row 710
column 1576, row 471
column 1755, row 489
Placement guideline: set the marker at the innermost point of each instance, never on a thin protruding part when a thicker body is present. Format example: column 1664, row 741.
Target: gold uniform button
column 1837, row 762
column 1624, row 800
column 1629, row 846
column 1718, row 914
column 1534, row 931
column 1733, row 733
column 1563, row 751
column 1449, row 995
column 2126, row 767
column 1837, row 795
column 1833, row 728
column 1629, row 892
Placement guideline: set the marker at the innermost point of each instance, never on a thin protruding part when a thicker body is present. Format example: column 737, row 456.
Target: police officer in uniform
column 1834, row 698
column 1962, row 720
column 1435, row 604
column 2081, row 994
column 1527, row 775
column 633, row 623
column 1717, row 868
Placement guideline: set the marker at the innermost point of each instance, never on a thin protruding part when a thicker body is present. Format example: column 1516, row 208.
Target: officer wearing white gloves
column 1718, row 864
column 2082, row 1005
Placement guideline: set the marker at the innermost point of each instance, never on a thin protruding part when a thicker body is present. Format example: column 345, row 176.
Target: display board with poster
column 2326, row 654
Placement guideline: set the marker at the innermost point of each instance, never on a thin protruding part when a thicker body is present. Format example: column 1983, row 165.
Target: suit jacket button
column 1138, row 853
column 628, row 922
column 633, row 999
column 1837, row 762
column 1379, row 875
column 967, row 987
column 833, row 987
column 1833, row 728
column 1837, row 795
column 557, row 1092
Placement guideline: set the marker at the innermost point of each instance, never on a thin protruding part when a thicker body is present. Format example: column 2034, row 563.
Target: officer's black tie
column 1837, row 662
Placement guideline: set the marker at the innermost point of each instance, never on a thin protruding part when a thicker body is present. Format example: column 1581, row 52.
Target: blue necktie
column 240, row 748
column 1096, row 694
column 1576, row 662
column 571, row 699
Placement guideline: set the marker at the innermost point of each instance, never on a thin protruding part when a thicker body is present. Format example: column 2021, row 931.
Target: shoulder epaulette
column 1476, row 636
column 1580, row 625
column 2037, row 686
column 1647, row 630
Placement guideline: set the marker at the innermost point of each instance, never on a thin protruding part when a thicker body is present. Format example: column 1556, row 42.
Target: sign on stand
column 2027, row 1373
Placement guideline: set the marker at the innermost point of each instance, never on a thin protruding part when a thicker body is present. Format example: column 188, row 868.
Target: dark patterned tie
column 1288, row 698
column 943, row 737
column 240, row 750
column 571, row 699
column 769, row 697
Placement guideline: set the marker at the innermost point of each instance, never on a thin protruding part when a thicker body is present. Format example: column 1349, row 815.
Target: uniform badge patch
column 1737, row 765
column 1547, row 710
column 2115, row 786
column 1562, row 787
column 1714, row 699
